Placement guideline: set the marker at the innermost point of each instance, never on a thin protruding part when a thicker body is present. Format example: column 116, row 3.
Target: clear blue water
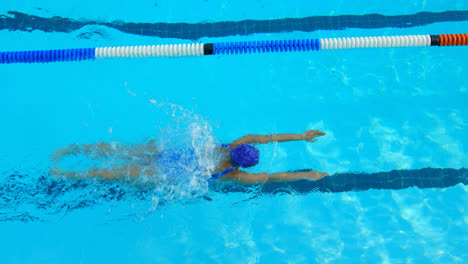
column 382, row 110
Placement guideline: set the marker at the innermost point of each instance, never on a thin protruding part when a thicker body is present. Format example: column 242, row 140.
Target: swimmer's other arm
column 309, row 136
column 253, row 178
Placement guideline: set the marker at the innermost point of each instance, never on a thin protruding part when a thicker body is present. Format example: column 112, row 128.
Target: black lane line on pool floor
column 193, row 31
column 348, row 182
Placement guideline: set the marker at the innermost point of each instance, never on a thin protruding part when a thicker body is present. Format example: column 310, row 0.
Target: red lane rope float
column 453, row 40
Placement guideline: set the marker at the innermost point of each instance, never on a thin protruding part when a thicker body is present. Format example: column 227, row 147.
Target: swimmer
column 241, row 153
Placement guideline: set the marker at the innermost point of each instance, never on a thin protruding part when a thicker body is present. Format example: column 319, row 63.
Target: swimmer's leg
column 102, row 150
column 131, row 170
column 98, row 149
column 127, row 171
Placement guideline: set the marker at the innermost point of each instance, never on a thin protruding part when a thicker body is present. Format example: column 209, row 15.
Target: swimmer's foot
column 56, row 172
column 63, row 152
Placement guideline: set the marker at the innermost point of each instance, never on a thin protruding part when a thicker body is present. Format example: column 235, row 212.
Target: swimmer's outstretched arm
column 252, row 178
column 309, row 136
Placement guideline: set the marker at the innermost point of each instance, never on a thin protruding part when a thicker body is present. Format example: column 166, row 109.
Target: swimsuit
column 178, row 163
column 219, row 174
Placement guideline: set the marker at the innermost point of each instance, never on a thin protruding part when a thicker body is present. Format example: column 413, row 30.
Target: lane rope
column 237, row 47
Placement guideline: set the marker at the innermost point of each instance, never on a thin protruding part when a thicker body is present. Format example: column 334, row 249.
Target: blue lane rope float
column 265, row 46
column 238, row 47
column 38, row 56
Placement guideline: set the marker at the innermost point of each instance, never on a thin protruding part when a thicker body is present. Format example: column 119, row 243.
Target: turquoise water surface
column 382, row 109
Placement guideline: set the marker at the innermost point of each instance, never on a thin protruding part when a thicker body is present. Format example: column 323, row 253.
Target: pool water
column 382, row 109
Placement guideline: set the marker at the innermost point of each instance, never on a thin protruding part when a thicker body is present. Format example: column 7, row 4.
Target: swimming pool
column 400, row 109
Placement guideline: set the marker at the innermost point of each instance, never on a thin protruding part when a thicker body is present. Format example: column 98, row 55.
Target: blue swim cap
column 245, row 156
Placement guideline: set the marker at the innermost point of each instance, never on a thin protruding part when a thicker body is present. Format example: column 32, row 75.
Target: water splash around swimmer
column 37, row 195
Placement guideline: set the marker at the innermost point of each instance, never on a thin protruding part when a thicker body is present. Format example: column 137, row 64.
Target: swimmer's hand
column 310, row 135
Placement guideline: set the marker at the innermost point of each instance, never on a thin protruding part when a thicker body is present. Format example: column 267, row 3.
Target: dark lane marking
column 193, row 31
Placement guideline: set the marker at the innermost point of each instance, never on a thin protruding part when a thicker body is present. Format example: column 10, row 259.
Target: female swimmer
column 241, row 153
